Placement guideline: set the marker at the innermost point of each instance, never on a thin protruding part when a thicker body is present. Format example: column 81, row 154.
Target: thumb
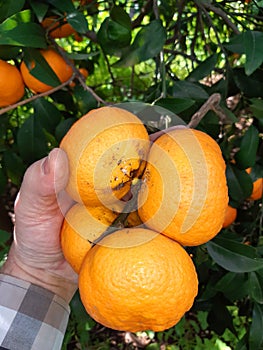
column 47, row 176
column 43, row 181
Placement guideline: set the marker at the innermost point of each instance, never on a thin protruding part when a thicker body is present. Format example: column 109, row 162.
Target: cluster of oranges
column 139, row 276
column 13, row 80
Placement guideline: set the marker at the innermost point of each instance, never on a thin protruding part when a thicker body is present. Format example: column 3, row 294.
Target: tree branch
column 222, row 14
column 78, row 75
column 211, row 104
column 35, row 97
column 145, row 9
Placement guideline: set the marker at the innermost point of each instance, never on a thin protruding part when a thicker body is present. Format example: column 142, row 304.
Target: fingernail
column 45, row 166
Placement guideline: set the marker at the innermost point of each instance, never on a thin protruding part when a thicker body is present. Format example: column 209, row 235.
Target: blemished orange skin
column 184, row 191
column 105, row 149
column 137, row 280
column 56, row 62
column 12, row 87
column 230, row 216
column 81, row 226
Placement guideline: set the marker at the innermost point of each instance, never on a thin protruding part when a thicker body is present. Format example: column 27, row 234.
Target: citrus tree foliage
column 165, row 53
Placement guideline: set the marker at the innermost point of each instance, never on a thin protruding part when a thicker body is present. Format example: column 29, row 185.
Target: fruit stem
column 119, row 222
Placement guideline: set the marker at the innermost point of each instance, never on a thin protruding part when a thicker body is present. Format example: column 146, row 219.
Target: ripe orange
column 137, row 280
column 12, row 87
column 105, row 150
column 230, row 216
column 56, row 62
column 184, row 193
column 56, row 28
column 257, row 191
column 84, row 72
column 81, row 226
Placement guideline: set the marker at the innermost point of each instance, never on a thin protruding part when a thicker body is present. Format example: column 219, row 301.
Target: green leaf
column 4, row 237
column 233, row 285
column 239, row 183
column 253, row 43
column 203, row 69
column 39, row 8
column 20, row 17
column 147, row 44
column 250, row 86
column 255, row 287
column 85, row 100
column 10, row 7
column 62, row 5
column 255, row 334
column 234, row 256
column 246, row 156
column 63, row 127
column 249, row 43
column 78, row 21
column 256, row 107
column 31, row 140
column 176, row 105
column 219, row 317
column 113, row 37
column 3, row 180
column 47, row 114
column 23, row 34
column 7, row 52
column 14, row 166
column 119, row 15
column 236, row 44
column 42, row 70
column 154, row 114
column 189, row 90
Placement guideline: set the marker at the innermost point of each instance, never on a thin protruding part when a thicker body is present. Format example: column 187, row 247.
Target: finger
column 42, row 182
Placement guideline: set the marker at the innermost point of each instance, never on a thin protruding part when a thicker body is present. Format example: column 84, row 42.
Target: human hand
column 35, row 254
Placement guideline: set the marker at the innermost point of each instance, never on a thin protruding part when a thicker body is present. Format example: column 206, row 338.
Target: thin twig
column 161, row 55
column 78, row 75
column 211, row 104
column 218, row 11
column 144, row 10
column 35, row 97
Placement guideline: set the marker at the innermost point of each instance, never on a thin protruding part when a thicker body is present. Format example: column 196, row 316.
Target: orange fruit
column 257, row 191
column 55, row 61
column 137, row 280
column 57, row 28
column 84, row 72
column 12, row 87
column 230, row 216
column 81, row 226
column 105, row 150
column 184, row 192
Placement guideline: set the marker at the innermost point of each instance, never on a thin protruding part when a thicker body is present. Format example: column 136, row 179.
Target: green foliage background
column 171, row 54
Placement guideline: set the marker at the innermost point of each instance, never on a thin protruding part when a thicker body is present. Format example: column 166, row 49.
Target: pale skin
column 35, row 254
